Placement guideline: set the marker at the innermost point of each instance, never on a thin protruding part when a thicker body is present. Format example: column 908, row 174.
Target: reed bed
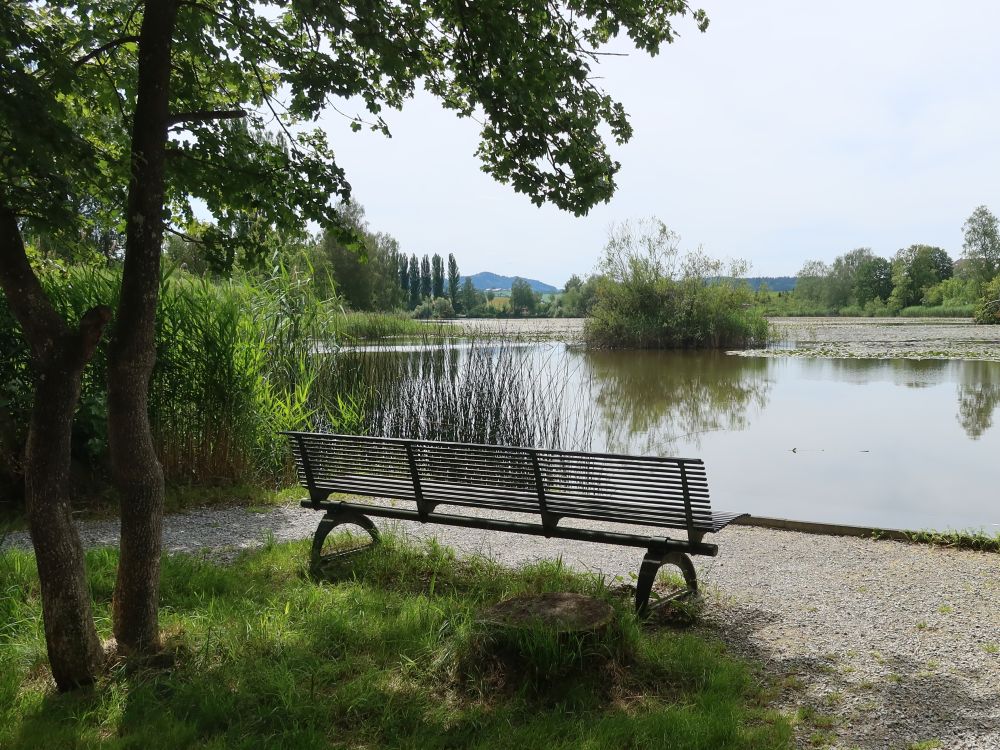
column 237, row 362
column 479, row 390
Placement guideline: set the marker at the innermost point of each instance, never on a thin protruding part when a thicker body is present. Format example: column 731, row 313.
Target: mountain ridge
column 488, row 280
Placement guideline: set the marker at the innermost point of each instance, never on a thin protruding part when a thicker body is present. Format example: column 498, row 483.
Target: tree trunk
column 74, row 650
column 59, row 355
column 136, row 470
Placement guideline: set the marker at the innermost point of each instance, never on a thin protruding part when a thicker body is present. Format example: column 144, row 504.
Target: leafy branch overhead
column 249, row 80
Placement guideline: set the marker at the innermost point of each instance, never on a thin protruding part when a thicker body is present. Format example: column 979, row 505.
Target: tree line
column 918, row 279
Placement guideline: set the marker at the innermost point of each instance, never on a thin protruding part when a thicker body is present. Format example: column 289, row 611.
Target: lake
column 893, row 443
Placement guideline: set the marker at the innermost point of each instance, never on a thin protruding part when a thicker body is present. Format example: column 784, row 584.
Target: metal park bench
column 526, row 490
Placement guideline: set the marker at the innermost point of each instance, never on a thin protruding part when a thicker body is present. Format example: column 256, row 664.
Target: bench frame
column 660, row 550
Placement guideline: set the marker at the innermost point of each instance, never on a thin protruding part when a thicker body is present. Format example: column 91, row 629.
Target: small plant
column 981, row 540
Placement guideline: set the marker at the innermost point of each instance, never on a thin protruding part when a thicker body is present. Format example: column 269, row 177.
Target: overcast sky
column 789, row 131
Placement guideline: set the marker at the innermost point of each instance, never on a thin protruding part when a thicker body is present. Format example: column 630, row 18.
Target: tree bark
column 136, row 470
column 59, row 356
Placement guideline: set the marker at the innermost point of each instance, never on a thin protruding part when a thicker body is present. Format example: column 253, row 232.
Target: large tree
column 136, row 111
column 437, row 276
column 981, row 246
column 917, row 268
column 414, row 275
column 425, row 277
column 454, row 278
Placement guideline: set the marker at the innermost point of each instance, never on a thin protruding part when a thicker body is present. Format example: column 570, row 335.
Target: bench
column 525, row 490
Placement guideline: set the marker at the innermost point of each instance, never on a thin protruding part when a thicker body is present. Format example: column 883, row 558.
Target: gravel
column 875, row 644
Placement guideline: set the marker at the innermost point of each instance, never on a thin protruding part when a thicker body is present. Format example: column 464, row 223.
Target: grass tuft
column 981, row 540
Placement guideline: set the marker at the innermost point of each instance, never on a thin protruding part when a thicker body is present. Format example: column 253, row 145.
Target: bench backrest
column 664, row 492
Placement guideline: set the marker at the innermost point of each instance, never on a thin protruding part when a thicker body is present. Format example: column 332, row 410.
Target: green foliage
column 523, row 298
column 363, row 272
column 426, row 283
column 471, row 297
column 940, row 311
column 578, row 298
column 443, row 308
column 958, row 291
column 981, row 245
column 916, row 269
column 236, row 362
column 437, row 276
column 981, row 540
column 245, row 79
column 872, row 280
column 988, row 308
column 652, row 297
column 258, row 654
column 414, row 276
column 454, row 277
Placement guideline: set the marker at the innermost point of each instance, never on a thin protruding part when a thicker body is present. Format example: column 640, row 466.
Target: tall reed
column 237, row 362
column 480, row 390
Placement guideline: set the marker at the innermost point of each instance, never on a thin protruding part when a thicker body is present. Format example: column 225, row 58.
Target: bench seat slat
column 590, row 477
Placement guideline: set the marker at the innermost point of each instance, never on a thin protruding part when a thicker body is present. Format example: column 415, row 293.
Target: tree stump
column 560, row 612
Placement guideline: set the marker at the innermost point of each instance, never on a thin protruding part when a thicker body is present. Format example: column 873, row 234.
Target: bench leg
column 651, row 565
column 331, row 521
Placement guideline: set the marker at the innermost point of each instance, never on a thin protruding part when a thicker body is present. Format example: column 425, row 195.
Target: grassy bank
column 386, row 653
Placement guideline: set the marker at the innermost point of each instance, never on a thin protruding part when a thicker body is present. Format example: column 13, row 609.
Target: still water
column 891, row 443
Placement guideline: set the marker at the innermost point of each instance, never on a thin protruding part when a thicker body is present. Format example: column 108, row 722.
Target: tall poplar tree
column 404, row 275
column 414, row 281
column 425, row 277
column 453, row 280
column 437, row 276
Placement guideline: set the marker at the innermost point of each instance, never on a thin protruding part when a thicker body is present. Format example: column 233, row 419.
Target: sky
column 789, row 131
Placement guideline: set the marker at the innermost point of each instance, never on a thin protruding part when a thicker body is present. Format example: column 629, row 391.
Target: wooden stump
column 560, row 612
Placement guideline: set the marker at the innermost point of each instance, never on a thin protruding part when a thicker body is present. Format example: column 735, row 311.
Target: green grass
column 981, row 540
column 386, row 653
column 938, row 311
column 353, row 327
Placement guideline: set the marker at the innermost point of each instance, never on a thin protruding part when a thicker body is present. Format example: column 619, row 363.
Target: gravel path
column 877, row 644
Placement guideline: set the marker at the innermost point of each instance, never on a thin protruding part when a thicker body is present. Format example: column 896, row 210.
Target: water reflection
column 650, row 401
column 978, row 397
column 842, row 440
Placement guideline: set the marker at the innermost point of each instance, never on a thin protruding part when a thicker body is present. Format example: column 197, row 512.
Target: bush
column 652, row 297
column 988, row 308
column 443, row 308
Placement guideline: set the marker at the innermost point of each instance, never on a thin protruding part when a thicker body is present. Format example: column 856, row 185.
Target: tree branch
column 205, row 115
column 31, row 307
column 104, row 48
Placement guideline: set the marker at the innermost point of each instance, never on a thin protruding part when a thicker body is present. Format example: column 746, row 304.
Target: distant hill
column 486, row 280
column 774, row 283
